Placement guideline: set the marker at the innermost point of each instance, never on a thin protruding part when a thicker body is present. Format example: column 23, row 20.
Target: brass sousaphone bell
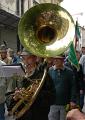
column 46, row 30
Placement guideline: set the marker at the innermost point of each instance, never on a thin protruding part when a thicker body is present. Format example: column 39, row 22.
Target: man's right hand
column 75, row 114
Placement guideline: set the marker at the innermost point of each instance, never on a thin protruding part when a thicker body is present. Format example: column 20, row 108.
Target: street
column 11, row 118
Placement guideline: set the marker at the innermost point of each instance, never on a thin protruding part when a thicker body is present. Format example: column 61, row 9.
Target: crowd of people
column 62, row 91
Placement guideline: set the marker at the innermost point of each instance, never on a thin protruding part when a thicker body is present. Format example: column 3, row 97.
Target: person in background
column 78, row 73
column 8, row 60
column 4, row 56
column 82, row 63
column 65, row 87
column 83, row 50
column 15, row 56
column 2, row 93
column 80, row 81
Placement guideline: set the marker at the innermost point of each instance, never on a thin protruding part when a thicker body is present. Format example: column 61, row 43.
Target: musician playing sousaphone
column 40, row 108
column 46, row 30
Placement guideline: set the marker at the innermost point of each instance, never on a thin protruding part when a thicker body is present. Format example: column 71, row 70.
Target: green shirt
column 65, row 85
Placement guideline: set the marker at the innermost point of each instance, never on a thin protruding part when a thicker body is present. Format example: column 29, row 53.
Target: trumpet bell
column 46, row 30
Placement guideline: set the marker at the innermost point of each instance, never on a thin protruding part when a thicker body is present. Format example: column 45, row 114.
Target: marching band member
column 40, row 108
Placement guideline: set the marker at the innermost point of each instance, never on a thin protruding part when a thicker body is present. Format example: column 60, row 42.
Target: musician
column 40, row 108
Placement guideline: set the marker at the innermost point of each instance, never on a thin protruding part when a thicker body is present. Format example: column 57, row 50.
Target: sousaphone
column 46, row 30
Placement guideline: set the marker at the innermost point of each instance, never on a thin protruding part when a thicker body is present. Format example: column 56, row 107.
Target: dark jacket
column 41, row 106
column 65, row 85
column 79, row 78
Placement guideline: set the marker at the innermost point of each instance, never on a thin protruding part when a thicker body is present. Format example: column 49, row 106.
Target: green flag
column 72, row 56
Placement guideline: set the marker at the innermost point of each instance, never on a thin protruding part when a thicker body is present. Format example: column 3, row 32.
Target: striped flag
column 72, row 56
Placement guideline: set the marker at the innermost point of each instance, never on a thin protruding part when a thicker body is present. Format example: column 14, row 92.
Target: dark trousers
column 81, row 101
column 36, row 114
column 2, row 111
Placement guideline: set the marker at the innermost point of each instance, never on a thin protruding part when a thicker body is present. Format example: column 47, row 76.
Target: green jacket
column 65, row 85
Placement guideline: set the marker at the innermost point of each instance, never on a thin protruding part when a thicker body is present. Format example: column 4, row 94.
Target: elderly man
column 40, row 108
column 65, row 88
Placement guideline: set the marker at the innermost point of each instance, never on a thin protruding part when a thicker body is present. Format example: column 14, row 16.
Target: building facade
column 10, row 13
column 8, row 23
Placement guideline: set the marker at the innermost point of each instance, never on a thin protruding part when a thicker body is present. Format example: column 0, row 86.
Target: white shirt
column 2, row 63
column 82, row 62
column 2, row 85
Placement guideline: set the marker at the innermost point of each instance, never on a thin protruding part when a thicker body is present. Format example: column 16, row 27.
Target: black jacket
column 41, row 106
